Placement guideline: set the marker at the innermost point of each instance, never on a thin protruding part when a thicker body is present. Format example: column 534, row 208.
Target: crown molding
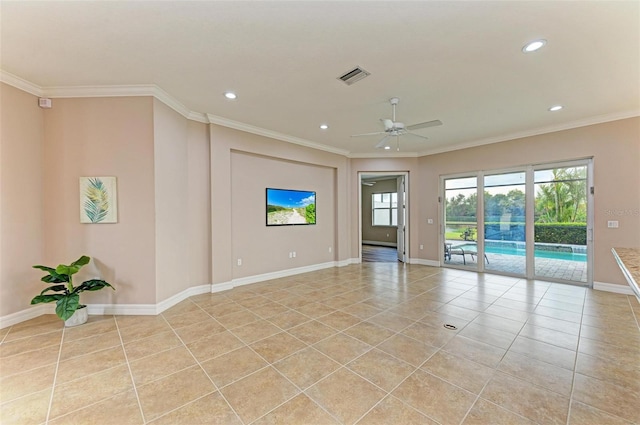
column 19, row 83
column 599, row 119
column 155, row 91
column 383, row 155
column 214, row 119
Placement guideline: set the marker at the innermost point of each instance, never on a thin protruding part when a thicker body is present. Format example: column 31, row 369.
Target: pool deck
column 568, row 270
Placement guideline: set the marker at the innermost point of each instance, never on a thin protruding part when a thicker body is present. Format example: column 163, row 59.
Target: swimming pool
column 539, row 253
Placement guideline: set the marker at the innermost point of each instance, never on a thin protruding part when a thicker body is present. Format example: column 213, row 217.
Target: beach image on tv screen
column 290, row 207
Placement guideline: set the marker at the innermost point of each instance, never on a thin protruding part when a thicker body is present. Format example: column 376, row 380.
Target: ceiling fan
column 397, row 129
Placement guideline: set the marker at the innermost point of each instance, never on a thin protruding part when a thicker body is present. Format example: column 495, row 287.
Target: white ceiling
column 459, row 62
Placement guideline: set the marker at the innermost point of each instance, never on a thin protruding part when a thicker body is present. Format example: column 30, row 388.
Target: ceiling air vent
column 353, row 76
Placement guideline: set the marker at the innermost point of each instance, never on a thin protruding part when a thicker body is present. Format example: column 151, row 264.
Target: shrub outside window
column 384, row 209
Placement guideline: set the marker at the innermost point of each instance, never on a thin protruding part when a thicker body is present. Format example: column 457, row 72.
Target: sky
column 290, row 198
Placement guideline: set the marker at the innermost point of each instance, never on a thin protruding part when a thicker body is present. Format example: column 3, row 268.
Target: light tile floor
column 361, row 344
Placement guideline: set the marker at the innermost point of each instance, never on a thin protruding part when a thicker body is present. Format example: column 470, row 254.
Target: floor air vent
column 354, row 76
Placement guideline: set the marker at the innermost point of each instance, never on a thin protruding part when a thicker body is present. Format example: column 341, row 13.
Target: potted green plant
column 65, row 295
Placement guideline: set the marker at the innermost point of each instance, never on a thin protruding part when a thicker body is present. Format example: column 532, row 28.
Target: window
column 384, row 209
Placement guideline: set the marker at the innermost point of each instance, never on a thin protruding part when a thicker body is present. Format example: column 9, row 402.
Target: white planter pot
column 80, row 316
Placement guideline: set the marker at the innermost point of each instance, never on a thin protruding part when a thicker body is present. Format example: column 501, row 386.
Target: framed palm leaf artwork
column 98, row 200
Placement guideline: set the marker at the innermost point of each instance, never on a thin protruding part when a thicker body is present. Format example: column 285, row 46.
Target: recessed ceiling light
column 387, row 148
column 533, row 46
column 324, row 126
column 230, row 95
column 556, row 108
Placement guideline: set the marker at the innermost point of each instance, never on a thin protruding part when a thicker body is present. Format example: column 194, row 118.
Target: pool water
column 569, row 256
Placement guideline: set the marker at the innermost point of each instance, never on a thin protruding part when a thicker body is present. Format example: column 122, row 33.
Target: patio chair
column 449, row 251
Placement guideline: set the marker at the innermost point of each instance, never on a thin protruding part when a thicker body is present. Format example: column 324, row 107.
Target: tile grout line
column 575, row 362
column 217, row 389
column 495, row 369
column 55, row 375
column 133, row 382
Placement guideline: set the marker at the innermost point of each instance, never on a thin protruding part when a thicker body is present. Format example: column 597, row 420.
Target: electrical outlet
column 421, row 246
column 612, row 224
column 239, row 261
column 429, row 221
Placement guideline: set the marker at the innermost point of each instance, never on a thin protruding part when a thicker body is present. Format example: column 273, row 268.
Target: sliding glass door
column 460, row 221
column 561, row 223
column 504, row 223
column 532, row 222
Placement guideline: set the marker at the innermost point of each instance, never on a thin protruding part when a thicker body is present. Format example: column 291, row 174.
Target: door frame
column 369, row 174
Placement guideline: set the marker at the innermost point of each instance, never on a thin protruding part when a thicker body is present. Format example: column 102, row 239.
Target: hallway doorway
column 383, row 216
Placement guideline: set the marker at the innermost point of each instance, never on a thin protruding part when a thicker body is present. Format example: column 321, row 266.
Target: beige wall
column 187, row 191
column 385, row 234
column 199, row 204
column 160, row 245
column 102, row 137
column 266, row 249
column 21, row 203
column 182, row 202
column 615, row 148
column 242, row 166
column 170, row 131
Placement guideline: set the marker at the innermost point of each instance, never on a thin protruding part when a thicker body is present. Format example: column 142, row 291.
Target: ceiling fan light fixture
column 534, row 45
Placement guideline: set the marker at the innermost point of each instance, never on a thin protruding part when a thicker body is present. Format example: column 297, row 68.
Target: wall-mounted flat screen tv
column 290, row 207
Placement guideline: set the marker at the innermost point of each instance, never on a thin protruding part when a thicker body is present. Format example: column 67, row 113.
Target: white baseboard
column 280, row 274
column 24, row 315
column 424, row 262
column 222, row 286
column 612, row 287
column 171, row 301
column 154, row 309
column 378, row 243
column 123, row 309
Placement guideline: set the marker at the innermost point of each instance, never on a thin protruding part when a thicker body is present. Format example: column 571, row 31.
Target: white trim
column 348, row 261
column 280, row 274
column 19, row 83
column 122, row 309
column 171, row 301
column 225, row 122
column 157, row 92
column 248, row 280
column 384, row 154
column 223, row 286
column 377, row 243
column 423, row 262
column 24, row 315
column 612, row 287
column 599, row 119
column 116, row 309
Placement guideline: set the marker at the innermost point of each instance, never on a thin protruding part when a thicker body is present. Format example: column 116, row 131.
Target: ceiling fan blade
column 426, row 124
column 368, row 134
column 383, row 142
column 408, row 133
column 388, row 124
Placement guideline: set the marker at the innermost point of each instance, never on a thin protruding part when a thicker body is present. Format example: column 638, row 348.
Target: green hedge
column 560, row 233
column 566, row 233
